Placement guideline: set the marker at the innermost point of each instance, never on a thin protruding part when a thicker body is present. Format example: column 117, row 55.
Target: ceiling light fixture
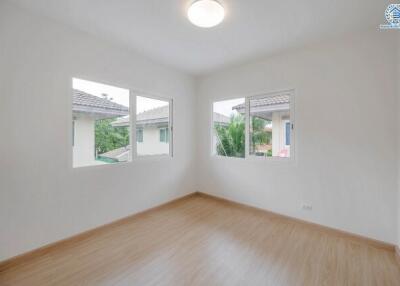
column 206, row 13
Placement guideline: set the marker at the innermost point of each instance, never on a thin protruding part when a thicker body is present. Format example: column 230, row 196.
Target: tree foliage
column 231, row 138
column 108, row 138
column 258, row 135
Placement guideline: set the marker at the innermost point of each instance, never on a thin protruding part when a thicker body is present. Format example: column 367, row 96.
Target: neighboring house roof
column 264, row 107
column 97, row 106
column 265, row 101
column 156, row 113
column 154, row 117
column 221, row 119
column 159, row 117
column 120, row 154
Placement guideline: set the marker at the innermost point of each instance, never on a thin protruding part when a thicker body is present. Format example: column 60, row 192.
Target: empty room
column 199, row 142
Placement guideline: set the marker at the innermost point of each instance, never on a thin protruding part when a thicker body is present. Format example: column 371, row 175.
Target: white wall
column 151, row 144
column 345, row 140
column 398, row 140
column 42, row 199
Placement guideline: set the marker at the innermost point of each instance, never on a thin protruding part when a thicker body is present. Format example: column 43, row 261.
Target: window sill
column 255, row 159
column 152, row 157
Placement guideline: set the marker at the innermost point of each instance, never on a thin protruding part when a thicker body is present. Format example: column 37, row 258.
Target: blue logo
column 392, row 15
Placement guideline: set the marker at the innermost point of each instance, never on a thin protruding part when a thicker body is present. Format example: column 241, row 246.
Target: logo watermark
column 392, row 15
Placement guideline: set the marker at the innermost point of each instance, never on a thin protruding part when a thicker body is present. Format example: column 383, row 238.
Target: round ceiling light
column 206, row 13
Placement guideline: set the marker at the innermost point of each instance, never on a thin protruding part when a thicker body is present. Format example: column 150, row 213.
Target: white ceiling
column 160, row 30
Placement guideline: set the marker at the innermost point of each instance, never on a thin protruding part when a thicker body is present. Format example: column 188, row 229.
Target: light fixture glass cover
column 206, row 13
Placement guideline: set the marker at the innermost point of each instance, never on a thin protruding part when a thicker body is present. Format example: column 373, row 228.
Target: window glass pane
column 287, row 133
column 270, row 126
column 229, row 128
column 153, row 117
column 101, row 124
column 139, row 135
column 162, row 135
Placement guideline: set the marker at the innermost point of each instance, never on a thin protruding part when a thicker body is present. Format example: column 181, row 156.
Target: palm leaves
column 231, row 138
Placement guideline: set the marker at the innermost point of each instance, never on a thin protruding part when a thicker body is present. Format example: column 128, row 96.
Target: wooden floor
column 203, row 241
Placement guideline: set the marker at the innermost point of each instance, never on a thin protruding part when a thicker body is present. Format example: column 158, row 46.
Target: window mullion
column 132, row 119
column 171, row 128
column 247, row 127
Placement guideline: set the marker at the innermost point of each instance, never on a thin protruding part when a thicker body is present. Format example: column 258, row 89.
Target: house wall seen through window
column 154, row 119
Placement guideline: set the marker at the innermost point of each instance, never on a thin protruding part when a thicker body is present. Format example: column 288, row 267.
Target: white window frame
column 133, row 92
column 70, row 127
column 247, row 156
column 170, row 126
column 215, row 155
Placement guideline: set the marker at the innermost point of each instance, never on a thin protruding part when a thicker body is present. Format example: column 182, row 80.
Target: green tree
column 231, row 138
column 258, row 135
column 108, row 138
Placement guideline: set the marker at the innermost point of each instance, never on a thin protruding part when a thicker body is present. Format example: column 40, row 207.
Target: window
column 101, row 125
column 164, row 135
column 153, row 117
column 259, row 126
column 287, row 133
column 229, row 128
column 270, row 125
column 139, row 135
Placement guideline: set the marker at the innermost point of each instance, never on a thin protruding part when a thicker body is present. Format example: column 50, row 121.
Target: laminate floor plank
column 204, row 241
